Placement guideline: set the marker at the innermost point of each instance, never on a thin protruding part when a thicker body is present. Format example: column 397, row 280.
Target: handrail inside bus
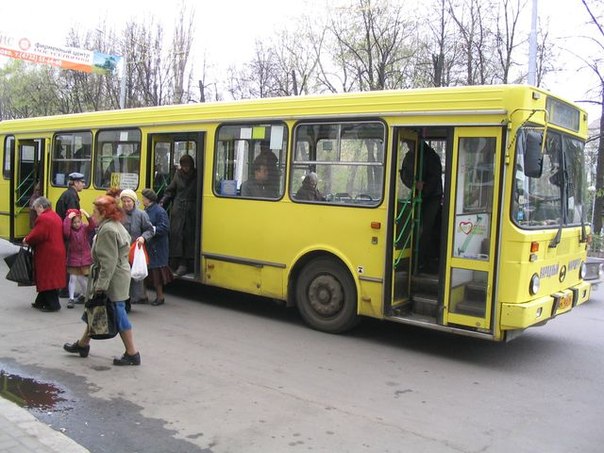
column 24, row 192
column 405, row 224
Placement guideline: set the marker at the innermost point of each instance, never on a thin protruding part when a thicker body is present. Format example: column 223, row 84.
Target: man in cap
column 70, row 198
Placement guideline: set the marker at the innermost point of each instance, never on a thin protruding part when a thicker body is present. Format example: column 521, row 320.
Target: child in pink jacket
column 79, row 259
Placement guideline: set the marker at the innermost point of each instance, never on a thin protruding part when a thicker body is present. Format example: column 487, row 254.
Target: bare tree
column 375, row 46
column 506, row 37
column 180, row 52
column 594, row 63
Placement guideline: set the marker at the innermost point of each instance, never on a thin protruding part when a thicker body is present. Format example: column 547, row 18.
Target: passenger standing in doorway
column 429, row 185
column 182, row 193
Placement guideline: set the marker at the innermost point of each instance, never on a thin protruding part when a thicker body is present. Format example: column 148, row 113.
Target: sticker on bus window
column 258, row 133
column 276, row 137
column 124, row 180
column 470, row 232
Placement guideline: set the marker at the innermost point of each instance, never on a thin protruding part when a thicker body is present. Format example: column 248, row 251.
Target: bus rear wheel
column 326, row 296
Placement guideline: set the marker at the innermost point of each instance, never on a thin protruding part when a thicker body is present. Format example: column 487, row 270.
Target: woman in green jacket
column 110, row 274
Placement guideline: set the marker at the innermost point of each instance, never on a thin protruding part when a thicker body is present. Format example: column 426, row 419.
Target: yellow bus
column 509, row 229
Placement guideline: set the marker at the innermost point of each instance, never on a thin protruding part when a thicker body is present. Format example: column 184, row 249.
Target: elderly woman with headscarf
column 182, row 193
column 158, row 246
column 110, row 274
column 309, row 190
column 46, row 238
column 139, row 227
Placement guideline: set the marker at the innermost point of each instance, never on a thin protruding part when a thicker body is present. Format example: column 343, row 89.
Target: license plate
column 566, row 302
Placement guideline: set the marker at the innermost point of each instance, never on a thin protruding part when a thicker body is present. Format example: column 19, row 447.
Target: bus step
column 401, row 307
column 425, row 305
column 470, row 307
column 425, row 284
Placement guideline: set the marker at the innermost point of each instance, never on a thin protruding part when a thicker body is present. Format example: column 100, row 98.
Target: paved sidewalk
column 21, row 432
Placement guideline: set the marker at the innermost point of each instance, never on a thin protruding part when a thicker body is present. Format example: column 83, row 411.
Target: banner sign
column 26, row 49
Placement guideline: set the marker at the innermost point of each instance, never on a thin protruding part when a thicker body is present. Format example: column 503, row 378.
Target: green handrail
column 24, row 193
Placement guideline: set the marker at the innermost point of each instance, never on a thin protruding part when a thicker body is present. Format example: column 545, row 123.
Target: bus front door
column 28, row 170
column 472, row 231
column 405, row 217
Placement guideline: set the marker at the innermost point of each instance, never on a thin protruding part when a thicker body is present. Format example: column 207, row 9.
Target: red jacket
column 78, row 245
column 46, row 239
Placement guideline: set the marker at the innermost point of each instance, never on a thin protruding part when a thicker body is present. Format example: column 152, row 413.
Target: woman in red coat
column 46, row 239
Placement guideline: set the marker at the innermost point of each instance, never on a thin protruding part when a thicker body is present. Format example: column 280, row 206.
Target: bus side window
column 117, row 159
column 71, row 153
column 250, row 161
column 347, row 157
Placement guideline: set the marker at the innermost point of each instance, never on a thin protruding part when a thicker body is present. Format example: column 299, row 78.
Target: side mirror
column 533, row 158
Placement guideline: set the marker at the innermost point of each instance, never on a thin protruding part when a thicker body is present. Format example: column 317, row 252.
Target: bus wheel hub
column 325, row 295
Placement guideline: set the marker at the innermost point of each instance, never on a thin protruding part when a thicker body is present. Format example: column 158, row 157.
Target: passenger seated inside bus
column 309, row 190
column 259, row 185
column 272, row 165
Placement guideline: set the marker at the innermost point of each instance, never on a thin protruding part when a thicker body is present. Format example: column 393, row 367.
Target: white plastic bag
column 138, row 271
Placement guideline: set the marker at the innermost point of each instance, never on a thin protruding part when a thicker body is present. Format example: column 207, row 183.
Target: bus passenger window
column 344, row 161
column 9, row 151
column 117, row 159
column 250, row 161
column 71, row 153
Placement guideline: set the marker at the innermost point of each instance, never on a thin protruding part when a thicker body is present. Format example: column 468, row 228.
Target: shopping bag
column 133, row 248
column 101, row 317
column 138, row 271
column 21, row 267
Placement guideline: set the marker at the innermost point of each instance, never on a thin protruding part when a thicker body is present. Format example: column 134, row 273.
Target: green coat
column 110, row 270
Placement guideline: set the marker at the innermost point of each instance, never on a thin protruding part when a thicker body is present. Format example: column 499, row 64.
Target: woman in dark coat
column 46, row 239
column 158, row 246
column 182, row 192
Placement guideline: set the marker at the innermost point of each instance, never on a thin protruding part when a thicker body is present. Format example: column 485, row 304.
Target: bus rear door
column 28, row 172
column 472, row 228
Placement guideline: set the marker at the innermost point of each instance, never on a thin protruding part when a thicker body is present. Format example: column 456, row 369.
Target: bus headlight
column 582, row 270
column 534, row 285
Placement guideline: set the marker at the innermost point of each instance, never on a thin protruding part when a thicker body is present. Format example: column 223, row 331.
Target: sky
column 215, row 21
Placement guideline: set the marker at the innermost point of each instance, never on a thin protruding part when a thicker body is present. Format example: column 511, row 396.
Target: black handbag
column 21, row 267
column 101, row 317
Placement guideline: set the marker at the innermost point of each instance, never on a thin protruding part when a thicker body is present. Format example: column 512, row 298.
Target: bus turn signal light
column 376, row 225
column 534, row 247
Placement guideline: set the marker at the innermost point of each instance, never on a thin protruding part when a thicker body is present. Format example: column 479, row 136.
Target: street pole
column 123, row 84
column 532, row 69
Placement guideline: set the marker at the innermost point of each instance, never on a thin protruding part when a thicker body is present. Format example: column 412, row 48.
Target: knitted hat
column 129, row 193
column 75, row 211
column 150, row 195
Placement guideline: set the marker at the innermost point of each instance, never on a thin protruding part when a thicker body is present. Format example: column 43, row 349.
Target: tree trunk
column 599, row 203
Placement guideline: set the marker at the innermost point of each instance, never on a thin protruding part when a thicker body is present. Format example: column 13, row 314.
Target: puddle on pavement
column 30, row 393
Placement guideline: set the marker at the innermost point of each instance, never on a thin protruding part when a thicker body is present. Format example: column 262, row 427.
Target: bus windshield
column 557, row 196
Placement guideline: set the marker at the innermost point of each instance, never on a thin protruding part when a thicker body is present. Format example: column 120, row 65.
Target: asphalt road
column 224, row 372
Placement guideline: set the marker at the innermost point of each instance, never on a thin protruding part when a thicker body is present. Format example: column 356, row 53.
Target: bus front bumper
column 523, row 315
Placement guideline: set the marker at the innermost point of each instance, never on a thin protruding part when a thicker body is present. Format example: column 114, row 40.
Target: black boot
column 126, row 359
column 75, row 348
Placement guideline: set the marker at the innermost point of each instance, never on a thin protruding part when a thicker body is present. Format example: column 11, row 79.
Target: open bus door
column 165, row 153
column 417, row 293
column 28, row 172
column 469, row 273
column 405, row 218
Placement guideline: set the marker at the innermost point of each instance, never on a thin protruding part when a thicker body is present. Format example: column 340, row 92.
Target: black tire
column 326, row 296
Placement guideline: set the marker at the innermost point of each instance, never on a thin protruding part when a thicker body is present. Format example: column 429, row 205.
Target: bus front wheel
column 326, row 296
